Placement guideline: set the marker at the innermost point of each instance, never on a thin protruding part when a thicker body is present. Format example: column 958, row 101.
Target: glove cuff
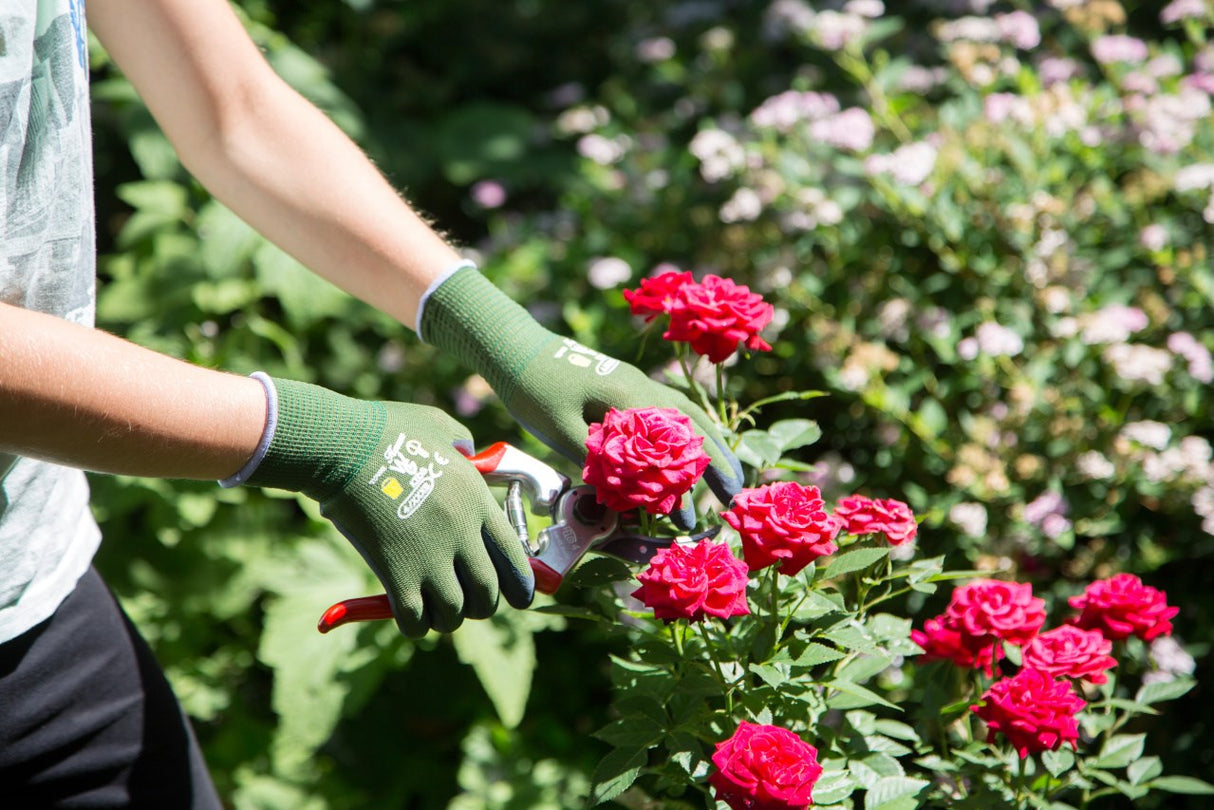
column 467, row 316
column 320, row 440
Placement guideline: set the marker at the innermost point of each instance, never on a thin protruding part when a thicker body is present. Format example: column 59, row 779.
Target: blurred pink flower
column 1019, row 29
column 1201, row 365
column 489, row 194
column 852, row 129
column 1113, row 324
column 784, row 110
column 1179, row 10
column 1113, row 48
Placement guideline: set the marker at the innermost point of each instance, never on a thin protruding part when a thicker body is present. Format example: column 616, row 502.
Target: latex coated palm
column 553, row 385
column 392, row 478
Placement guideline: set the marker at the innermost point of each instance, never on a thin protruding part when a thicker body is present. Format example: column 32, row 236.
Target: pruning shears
column 579, row 524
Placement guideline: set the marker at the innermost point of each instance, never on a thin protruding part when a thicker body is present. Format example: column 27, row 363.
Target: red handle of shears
column 371, row 608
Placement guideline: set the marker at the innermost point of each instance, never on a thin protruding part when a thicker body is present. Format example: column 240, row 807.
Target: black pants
column 87, row 719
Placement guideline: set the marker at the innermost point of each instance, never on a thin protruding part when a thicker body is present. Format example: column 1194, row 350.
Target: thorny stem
column 681, row 353
column 720, row 369
column 1020, row 800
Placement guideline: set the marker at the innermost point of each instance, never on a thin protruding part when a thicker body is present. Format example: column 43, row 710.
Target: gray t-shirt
column 47, row 533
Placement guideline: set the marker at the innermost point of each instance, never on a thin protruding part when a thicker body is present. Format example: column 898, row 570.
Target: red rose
column 691, row 582
column 941, row 643
column 987, row 610
column 1121, row 606
column 784, row 523
column 657, row 294
column 1034, row 711
column 716, row 315
column 894, row 519
column 1070, row 652
column 765, row 767
column 643, row 458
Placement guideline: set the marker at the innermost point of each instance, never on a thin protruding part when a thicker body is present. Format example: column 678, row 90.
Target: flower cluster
column 715, row 316
column 1035, row 708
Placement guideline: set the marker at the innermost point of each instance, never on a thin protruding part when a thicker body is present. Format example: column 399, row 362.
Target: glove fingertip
column 684, row 516
column 517, row 583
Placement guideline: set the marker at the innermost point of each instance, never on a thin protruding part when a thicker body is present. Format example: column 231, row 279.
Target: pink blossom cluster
column 715, row 316
column 1035, row 709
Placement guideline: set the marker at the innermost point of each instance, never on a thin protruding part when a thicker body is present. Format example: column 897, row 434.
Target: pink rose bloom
column 894, row 519
column 941, row 643
column 656, row 295
column 783, row 523
column 986, row 611
column 1121, row 606
column 716, row 316
column 691, row 582
column 764, row 767
column 1070, row 652
column 1034, row 711
column 643, row 458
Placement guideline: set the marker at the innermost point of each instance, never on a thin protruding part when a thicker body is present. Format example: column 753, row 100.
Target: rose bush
column 778, row 680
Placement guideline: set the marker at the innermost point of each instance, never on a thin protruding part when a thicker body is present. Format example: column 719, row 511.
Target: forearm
column 87, row 399
column 270, row 155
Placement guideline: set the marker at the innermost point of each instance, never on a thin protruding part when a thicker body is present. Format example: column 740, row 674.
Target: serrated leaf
column 816, row 654
column 856, row 559
column 1161, row 691
column 1120, row 750
column 615, row 773
column 816, row 604
column 1189, row 785
column 502, row 653
column 1143, row 769
column 890, row 789
column 771, row 675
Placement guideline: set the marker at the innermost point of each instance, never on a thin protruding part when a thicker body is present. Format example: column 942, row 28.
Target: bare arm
column 84, row 398
column 269, row 154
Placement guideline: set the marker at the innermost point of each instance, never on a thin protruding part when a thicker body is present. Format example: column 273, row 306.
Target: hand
column 554, row 386
column 393, row 478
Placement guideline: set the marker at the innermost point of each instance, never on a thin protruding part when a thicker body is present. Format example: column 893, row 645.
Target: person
column 86, row 716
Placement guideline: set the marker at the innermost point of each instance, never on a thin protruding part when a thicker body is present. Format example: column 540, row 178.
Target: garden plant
column 940, row 269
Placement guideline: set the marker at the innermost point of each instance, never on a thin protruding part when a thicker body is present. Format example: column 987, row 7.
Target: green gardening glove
column 393, row 478
column 554, row 386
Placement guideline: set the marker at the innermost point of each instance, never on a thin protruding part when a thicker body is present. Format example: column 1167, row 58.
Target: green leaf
column 1161, row 691
column 833, row 787
column 859, row 696
column 1058, row 762
column 308, row 692
column 501, row 650
column 816, row 604
column 599, row 571
column 892, row 791
column 1120, row 750
column 632, row 732
column 815, row 654
column 1189, row 785
column 791, row 434
column 856, row 559
column 757, row 449
column 1144, row 769
column 615, row 773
